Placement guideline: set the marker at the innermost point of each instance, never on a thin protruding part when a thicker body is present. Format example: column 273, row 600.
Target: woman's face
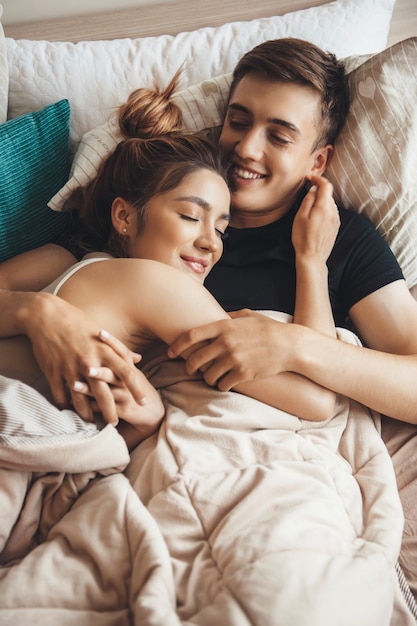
column 184, row 226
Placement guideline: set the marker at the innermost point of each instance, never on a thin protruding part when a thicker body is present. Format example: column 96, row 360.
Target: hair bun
column 150, row 112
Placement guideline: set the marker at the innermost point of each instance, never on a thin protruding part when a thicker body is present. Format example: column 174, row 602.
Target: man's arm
column 35, row 269
column 386, row 320
column 384, row 381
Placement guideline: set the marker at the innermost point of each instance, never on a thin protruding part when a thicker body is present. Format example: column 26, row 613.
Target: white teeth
column 246, row 174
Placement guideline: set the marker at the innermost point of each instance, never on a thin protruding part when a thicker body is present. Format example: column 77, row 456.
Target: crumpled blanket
column 76, row 545
column 239, row 514
column 271, row 520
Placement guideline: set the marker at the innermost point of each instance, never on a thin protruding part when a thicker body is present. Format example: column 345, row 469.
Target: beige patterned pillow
column 374, row 169
column 4, row 74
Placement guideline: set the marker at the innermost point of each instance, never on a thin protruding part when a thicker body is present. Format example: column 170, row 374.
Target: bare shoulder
column 132, row 279
column 147, row 271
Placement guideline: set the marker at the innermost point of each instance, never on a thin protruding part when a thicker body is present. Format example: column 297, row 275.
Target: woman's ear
column 322, row 158
column 122, row 215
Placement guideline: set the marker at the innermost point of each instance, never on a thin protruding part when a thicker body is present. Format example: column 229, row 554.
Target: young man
column 288, row 102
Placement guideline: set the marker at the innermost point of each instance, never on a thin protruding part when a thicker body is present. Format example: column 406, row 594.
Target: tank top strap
column 93, row 257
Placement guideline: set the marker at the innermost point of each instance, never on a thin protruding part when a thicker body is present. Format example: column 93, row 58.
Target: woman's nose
column 208, row 240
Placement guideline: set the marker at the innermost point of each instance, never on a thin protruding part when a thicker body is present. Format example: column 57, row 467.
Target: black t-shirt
column 257, row 268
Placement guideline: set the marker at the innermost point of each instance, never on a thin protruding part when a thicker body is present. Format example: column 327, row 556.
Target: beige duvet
column 240, row 514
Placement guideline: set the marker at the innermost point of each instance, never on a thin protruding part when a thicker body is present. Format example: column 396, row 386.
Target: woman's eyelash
column 188, row 217
column 222, row 235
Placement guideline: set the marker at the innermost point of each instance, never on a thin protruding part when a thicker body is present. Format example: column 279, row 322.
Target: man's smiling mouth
column 247, row 174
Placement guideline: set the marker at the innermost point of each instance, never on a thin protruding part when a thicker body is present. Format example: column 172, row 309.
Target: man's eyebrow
column 201, row 203
column 273, row 120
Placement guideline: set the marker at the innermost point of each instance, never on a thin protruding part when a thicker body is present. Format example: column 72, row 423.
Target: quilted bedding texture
column 235, row 514
column 77, row 547
column 269, row 519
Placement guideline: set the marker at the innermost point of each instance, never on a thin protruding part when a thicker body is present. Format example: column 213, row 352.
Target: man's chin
column 243, row 202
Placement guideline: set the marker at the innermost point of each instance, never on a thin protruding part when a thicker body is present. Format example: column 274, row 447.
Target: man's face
column 269, row 134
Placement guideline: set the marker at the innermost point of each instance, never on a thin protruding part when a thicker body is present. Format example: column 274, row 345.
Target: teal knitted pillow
column 34, row 165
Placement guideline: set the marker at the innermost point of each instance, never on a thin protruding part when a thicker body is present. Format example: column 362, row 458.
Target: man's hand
column 66, row 343
column 238, row 350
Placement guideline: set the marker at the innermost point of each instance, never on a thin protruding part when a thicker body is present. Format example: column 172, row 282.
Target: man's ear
column 322, row 158
column 121, row 215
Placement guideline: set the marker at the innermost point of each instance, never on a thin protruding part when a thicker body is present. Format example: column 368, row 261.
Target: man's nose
column 250, row 145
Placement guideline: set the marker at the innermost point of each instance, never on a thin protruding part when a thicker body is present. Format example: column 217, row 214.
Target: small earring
column 124, row 229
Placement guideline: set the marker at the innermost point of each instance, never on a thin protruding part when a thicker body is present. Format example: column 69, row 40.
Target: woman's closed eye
column 190, row 218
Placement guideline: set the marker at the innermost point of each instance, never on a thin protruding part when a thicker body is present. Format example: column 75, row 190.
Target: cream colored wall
column 15, row 11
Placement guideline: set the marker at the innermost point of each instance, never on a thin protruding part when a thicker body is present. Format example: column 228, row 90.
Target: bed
column 234, row 513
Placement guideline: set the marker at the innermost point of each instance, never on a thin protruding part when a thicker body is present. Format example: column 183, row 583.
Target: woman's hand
column 66, row 344
column 316, row 223
column 128, row 408
column 144, row 416
column 139, row 419
column 314, row 232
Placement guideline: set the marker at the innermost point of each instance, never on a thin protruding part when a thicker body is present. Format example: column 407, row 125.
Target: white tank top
column 56, row 285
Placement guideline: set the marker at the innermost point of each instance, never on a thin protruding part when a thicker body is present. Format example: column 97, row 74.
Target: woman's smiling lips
column 199, row 266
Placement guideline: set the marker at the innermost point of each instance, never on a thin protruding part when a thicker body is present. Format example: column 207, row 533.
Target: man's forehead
column 280, row 103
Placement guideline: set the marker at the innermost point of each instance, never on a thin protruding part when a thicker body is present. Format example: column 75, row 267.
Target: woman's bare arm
column 313, row 235
column 65, row 341
column 162, row 302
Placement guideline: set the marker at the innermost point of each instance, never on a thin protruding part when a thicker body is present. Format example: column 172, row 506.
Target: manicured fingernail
column 78, row 386
column 143, row 401
column 313, row 188
column 92, row 371
column 104, row 333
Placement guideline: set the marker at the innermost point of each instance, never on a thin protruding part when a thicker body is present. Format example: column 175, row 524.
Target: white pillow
column 4, row 74
column 97, row 76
